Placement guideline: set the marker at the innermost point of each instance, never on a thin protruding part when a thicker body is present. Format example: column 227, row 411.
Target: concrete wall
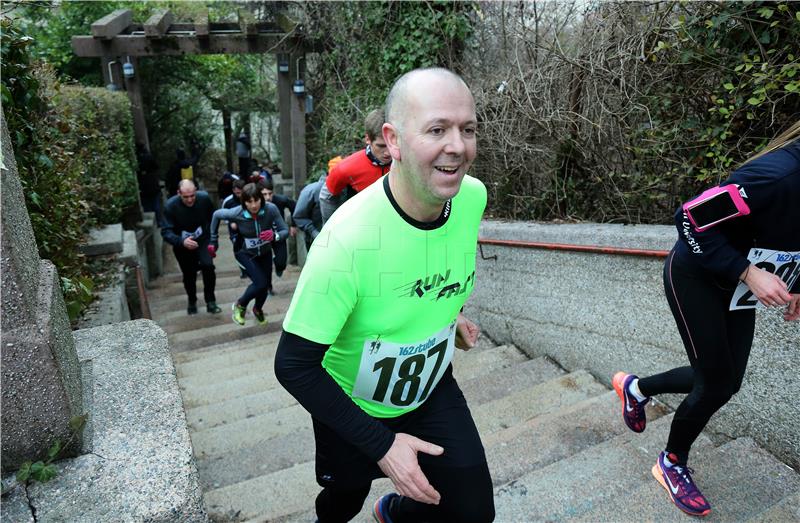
column 606, row 313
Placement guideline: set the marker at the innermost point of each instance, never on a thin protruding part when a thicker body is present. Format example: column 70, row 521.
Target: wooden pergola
column 117, row 41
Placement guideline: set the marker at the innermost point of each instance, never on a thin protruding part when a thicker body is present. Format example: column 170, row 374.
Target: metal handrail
column 595, row 249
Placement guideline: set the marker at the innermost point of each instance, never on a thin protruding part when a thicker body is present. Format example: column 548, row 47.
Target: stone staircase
column 556, row 445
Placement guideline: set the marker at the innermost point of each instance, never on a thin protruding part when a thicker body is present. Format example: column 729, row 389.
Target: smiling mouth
column 447, row 170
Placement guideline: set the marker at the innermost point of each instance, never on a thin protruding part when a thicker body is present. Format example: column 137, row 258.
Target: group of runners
column 367, row 350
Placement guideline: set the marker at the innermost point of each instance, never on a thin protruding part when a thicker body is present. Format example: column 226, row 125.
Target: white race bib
column 783, row 264
column 193, row 235
column 252, row 243
column 404, row 374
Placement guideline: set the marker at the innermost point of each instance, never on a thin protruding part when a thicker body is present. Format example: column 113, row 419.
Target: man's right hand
column 190, row 244
column 401, row 466
column 212, row 251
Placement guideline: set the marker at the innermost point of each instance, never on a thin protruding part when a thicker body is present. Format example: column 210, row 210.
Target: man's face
column 379, row 149
column 237, row 192
column 188, row 196
column 253, row 206
column 437, row 141
column 267, row 194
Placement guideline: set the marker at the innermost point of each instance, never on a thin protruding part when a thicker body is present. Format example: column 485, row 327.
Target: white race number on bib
column 784, row 264
column 252, row 243
column 193, row 235
column 404, row 374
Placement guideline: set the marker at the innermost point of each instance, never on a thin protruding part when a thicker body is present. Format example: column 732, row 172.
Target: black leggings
column 259, row 268
column 717, row 342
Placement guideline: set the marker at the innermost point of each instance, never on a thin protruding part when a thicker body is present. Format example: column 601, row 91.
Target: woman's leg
column 259, row 281
column 717, row 342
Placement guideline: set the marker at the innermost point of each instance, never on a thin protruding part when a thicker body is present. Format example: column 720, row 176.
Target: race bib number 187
column 784, row 264
column 403, row 375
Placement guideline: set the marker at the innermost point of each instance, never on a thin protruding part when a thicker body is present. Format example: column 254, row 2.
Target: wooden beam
column 247, row 23
column 286, row 24
column 177, row 45
column 201, row 24
column 112, row 24
column 133, row 87
column 158, row 24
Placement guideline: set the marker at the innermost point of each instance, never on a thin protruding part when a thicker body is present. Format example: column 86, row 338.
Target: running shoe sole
column 656, row 471
column 376, row 511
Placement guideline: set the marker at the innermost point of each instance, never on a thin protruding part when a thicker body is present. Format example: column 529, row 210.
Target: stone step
column 490, row 386
column 266, row 497
column 249, row 432
column 170, row 290
column 225, row 267
column 232, row 280
column 566, row 389
column 787, row 509
column 246, row 463
column 265, row 455
column 468, row 365
column 252, row 431
column 196, row 396
column 175, row 306
column 229, row 371
column 239, row 408
column 193, row 340
column 534, row 444
column 219, row 354
column 546, row 439
column 739, row 480
column 184, row 322
column 588, row 481
column 535, row 400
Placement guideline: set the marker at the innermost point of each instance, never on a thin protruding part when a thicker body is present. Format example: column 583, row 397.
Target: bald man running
column 373, row 324
column 187, row 219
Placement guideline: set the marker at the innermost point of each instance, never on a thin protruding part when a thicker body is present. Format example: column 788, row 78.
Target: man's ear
column 367, row 141
column 391, row 135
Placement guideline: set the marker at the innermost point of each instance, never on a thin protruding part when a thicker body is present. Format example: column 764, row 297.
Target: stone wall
column 608, row 312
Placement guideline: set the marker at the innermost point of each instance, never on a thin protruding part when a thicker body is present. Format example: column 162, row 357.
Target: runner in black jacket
column 187, row 216
column 738, row 248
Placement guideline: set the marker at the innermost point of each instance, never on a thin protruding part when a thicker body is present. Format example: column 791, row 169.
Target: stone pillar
column 40, row 371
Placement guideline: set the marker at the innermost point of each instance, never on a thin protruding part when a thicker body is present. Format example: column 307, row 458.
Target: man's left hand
column 466, row 333
column 292, row 231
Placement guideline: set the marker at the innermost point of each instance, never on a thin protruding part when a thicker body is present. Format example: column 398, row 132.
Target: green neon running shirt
column 384, row 292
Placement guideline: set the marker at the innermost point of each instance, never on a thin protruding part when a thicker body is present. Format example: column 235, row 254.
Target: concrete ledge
column 607, row 312
column 106, row 240
column 111, row 305
column 130, row 251
column 140, row 466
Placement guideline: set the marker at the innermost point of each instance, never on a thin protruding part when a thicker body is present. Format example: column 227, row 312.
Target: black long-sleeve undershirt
column 298, row 367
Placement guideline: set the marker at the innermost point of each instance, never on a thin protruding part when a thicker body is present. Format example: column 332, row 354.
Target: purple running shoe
column 632, row 409
column 678, row 483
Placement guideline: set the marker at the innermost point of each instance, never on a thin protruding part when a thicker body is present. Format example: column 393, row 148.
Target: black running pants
column 717, row 342
column 190, row 261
